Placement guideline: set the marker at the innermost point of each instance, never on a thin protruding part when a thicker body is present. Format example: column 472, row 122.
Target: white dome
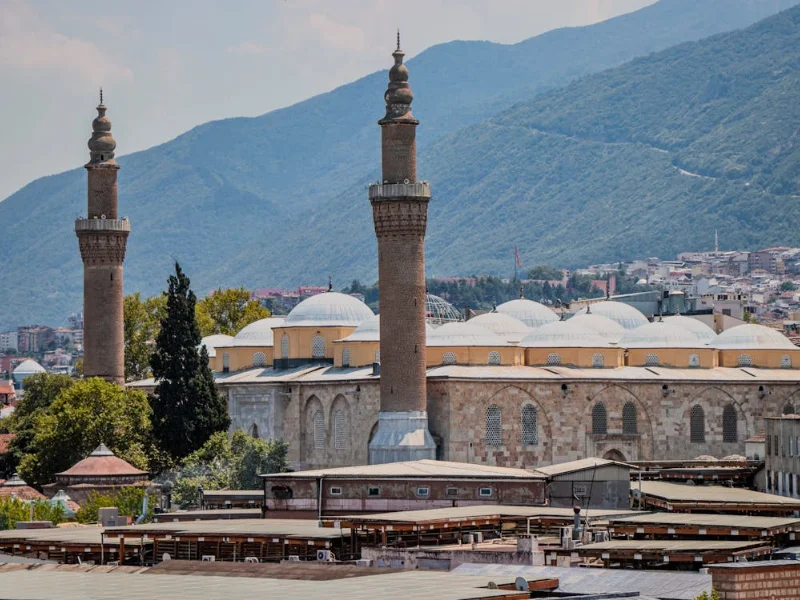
column 661, row 335
column 695, row 326
column 752, row 337
column 503, row 325
column 622, row 313
column 564, row 334
column 439, row 311
column 329, row 309
column 463, row 335
column 610, row 330
column 259, row 333
column 529, row 312
column 211, row 342
column 370, row 331
column 28, row 367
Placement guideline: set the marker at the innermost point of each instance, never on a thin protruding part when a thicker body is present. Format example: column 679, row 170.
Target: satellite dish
column 521, row 584
column 405, row 181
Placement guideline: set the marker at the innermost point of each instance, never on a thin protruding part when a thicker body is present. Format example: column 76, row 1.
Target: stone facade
column 773, row 580
column 782, row 452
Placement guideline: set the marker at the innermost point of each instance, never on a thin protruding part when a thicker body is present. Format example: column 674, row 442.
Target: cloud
column 247, row 47
column 338, row 35
column 27, row 43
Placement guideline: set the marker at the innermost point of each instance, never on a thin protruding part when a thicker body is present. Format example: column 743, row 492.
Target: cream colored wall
column 579, row 357
column 509, row 355
column 673, row 357
column 239, row 357
column 362, row 354
column 768, row 359
column 301, row 338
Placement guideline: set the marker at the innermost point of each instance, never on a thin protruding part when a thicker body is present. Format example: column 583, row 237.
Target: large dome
column 503, row 325
column 610, row 330
column 329, row 309
column 28, row 367
column 563, row 334
column 529, row 312
column 695, row 326
column 258, row 333
column 370, row 331
column 622, row 313
column 212, row 342
column 439, row 311
column 661, row 335
column 463, row 335
column 752, row 337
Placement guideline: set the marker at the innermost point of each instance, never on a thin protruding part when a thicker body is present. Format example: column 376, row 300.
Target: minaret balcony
column 122, row 225
column 395, row 191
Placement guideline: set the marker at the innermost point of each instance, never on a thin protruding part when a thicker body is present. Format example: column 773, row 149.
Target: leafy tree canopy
column 228, row 311
column 128, row 500
column 543, row 272
column 142, row 318
column 788, row 286
column 13, row 510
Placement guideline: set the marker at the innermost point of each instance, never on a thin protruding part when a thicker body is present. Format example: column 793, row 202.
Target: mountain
column 242, row 201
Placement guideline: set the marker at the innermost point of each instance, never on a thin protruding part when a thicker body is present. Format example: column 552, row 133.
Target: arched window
column 494, row 426
column 745, row 360
column 788, row 409
column 339, row 434
column 448, row 358
column 318, row 347
column 598, row 362
column 651, row 360
column 629, row 425
column 553, row 359
column 729, row 425
column 786, row 362
column 378, row 355
column 259, row 359
column 346, row 357
column 697, row 425
column 319, row 430
column 285, row 346
column 599, row 419
column 494, row 358
column 694, row 361
column 254, row 431
column 530, row 430
column 226, row 362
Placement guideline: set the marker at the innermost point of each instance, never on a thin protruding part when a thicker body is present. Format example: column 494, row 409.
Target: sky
column 168, row 65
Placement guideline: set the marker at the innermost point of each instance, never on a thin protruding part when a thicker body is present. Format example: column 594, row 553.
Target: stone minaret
column 400, row 212
column 102, row 238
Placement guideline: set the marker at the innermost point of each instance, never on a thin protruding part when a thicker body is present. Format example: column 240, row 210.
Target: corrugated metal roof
column 298, row 528
column 680, row 492
column 580, row 465
column 415, row 468
column 669, row 546
column 709, row 520
column 467, row 512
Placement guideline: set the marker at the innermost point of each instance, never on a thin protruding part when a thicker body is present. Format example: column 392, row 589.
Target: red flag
column 516, row 255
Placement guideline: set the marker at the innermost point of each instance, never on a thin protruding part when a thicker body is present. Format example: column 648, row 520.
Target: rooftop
column 327, row 310
column 418, row 468
column 101, row 462
column 716, row 494
column 579, row 465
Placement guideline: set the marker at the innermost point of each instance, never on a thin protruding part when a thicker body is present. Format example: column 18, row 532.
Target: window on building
column 259, row 359
column 318, row 347
column 346, row 357
column 769, row 481
column 786, row 362
column 729, row 424
column 254, row 431
column 769, row 445
column 485, row 492
column 285, row 346
column 339, row 434
column 629, row 425
column 791, row 484
column 745, row 360
column 494, row 426
column 598, row 362
column 791, row 446
column 697, row 425
column 226, row 362
column 651, row 360
column 494, row 357
column 449, row 358
column 423, row 492
column 775, row 445
column 599, row 419
column 694, row 360
column 553, row 359
column 336, row 491
column 319, row 430
column 530, row 429
column 788, row 409
column 373, row 492
column 451, row 492
column 377, row 356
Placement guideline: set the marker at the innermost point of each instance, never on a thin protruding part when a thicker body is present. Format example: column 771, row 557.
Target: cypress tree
column 187, row 407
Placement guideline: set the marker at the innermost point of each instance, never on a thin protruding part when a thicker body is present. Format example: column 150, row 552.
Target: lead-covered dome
column 752, row 337
column 563, row 334
column 259, row 333
column 622, row 313
column 212, row 342
column 329, row 309
column 610, row 330
column 28, row 367
column 661, row 335
column 533, row 314
column 464, row 335
column 695, row 326
column 370, row 331
column 503, row 325
column 439, row 311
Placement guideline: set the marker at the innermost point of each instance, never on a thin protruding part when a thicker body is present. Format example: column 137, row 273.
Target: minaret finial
column 398, row 38
column 521, row 291
column 330, row 283
column 101, row 94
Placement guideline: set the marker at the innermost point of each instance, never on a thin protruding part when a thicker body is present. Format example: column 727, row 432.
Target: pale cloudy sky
column 168, row 65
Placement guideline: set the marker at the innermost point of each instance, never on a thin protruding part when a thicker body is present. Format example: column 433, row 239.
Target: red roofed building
column 7, row 395
column 17, row 488
column 101, row 471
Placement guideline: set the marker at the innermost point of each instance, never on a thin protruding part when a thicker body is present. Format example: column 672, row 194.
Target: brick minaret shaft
column 400, row 212
column 102, row 238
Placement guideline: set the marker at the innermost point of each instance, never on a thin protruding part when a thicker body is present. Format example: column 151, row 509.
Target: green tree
column 788, row 286
column 706, row 596
column 227, row 311
column 84, row 415
column 13, row 510
column 187, row 408
column 142, row 318
column 543, row 272
column 128, row 500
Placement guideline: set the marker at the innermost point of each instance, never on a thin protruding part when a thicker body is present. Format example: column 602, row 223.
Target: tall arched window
column 786, row 362
column 494, row 426
column 254, row 431
column 346, row 357
column 339, row 433
column 788, row 409
column 651, row 360
column 285, row 346
column 599, row 419
column 598, row 362
column 697, row 425
column 530, row 429
column 318, row 347
column 319, row 430
column 729, row 425
column 745, row 360
column 259, row 359
column 494, row 357
column 553, row 359
column 629, row 424
column 449, row 358
column 226, row 362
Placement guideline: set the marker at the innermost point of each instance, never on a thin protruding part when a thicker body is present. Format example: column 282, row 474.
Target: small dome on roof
column 439, row 311
column 533, row 314
column 370, row 331
column 329, row 309
column 610, row 330
column 258, row 333
column 660, row 334
column 503, row 325
column 211, row 342
column 563, row 334
column 28, row 367
column 752, row 337
column 707, row 458
column 622, row 313
column 463, row 335
column 102, row 462
column 695, row 326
